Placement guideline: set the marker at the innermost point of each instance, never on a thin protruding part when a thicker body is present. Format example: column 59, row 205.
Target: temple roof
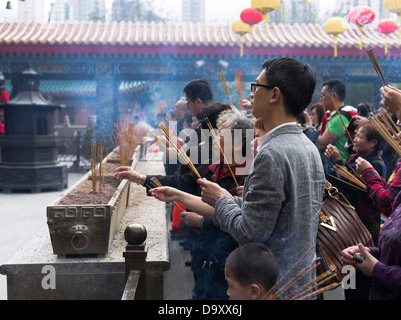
column 83, row 88
column 129, row 37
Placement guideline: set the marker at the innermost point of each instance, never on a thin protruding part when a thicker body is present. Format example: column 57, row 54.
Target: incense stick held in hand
column 96, row 150
column 125, row 140
column 173, row 142
column 353, row 180
column 221, row 149
column 375, row 63
column 224, row 82
column 384, row 132
column 156, row 183
column 309, row 290
column 238, row 83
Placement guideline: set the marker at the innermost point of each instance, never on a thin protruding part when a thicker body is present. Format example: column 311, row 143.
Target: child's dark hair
column 253, row 263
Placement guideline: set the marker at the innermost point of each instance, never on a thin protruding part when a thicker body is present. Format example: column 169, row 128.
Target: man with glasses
column 283, row 193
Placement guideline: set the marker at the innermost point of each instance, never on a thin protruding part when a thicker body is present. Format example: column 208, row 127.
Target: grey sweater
column 282, row 198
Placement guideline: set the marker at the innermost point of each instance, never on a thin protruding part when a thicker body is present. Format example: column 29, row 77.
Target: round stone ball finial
column 135, row 234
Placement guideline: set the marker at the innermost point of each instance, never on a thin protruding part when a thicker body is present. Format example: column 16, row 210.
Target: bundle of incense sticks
column 308, row 290
column 384, row 117
column 173, row 143
column 238, row 83
column 348, row 176
column 224, row 82
column 345, row 127
column 375, row 63
column 388, row 133
column 156, row 183
column 221, row 149
column 125, row 140
column 97, row 151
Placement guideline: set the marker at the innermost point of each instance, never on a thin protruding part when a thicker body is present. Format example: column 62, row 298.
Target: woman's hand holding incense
column 128, row 173
column 165, row 194
column 362, row 164
column 191, row 202
column 211, row 192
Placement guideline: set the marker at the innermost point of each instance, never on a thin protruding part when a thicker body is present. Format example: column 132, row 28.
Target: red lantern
column 251, row 16
column 361, row 16
column 386, row 26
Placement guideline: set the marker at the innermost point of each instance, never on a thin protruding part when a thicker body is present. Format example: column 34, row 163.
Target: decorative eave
column 186, row 38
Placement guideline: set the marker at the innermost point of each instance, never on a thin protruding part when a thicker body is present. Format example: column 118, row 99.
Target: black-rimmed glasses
column 255, row 85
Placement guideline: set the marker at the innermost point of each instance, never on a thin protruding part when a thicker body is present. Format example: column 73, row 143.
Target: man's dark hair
column 199, row 88
column 212, row 112
column 337, row 86
column 295, row 80
column 253, row 263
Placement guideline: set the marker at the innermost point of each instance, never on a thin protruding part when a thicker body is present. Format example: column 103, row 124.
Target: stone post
column 135, row 262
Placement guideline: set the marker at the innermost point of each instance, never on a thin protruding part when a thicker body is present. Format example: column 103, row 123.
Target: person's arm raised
column 194, row 203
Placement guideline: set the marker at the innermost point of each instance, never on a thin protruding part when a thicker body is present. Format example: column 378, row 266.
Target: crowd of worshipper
column 250, row 217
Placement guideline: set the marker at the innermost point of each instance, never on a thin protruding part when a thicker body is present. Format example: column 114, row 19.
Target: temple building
column 124, row 68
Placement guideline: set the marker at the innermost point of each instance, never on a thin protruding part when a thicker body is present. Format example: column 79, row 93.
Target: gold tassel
column 250, row 37
column 335, row 46
column 386, row 45
column 360, row 39
column 265, row 17
column 281, row 10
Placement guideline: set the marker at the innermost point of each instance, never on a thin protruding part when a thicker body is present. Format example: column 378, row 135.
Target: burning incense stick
column 96, row 150
column 238, row 83
column 224, row 82
column 172, row 139
column 320, row 291
column 300, row 275
column 221, row 149
column 350, row 184
column 385, row 134
column 386, row 119
column 355, row 182
column 287, row 273
column 377, row 67
column 125, row 139
column 345, row 127
column 317, row 282
column 157, row 184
